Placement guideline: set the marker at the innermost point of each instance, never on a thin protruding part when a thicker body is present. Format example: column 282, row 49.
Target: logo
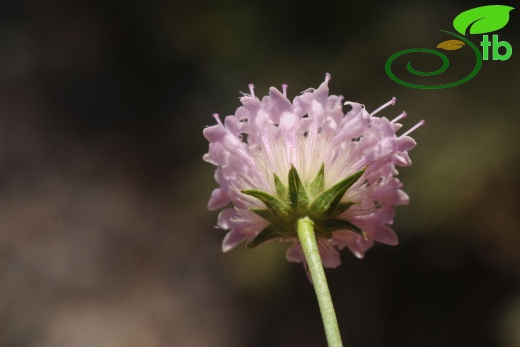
column 479, row 20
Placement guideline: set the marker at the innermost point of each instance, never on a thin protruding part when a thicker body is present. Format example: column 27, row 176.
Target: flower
column 278, row 161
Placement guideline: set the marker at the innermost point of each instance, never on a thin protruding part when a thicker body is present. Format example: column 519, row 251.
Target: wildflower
column 279, row 161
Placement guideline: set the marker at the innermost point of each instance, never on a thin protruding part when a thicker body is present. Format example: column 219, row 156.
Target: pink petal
column 386, row 235
column 295, row 253
column 225, row 218
column 233, row 238
column 329, row 255
column 218, row 199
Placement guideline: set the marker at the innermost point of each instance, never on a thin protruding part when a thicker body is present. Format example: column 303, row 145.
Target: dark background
column 105, row 239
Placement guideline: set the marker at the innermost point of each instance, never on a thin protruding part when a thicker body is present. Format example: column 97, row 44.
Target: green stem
column 312, row 255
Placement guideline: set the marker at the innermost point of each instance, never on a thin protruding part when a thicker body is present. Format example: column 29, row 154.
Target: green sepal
column 269, row 233
column 326, row 203
column 342, row 207
column 328, row 226
column 297, row 193
column 265, row 214
column 318, row 183
column 281, row 189
column 277, row 207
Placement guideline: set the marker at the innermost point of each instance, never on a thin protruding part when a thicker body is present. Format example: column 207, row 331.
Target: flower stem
column 309, row 244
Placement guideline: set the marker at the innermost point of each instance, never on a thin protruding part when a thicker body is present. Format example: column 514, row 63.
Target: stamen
column 414, row 127
column 391, row 102
column 284, row 88
column 401, row 116
column 216, row 116
column 327, row 77
column 251, row 89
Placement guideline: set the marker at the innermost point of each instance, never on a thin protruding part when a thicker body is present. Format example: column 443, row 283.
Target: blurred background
column 105, row 239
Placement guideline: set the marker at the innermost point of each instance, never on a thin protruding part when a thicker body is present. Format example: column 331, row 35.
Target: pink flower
column 277, row 161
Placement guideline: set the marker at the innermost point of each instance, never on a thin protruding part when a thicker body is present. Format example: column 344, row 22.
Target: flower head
column 278, row 161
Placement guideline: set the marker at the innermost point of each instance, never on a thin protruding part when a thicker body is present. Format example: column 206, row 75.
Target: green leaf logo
column 482, row 20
